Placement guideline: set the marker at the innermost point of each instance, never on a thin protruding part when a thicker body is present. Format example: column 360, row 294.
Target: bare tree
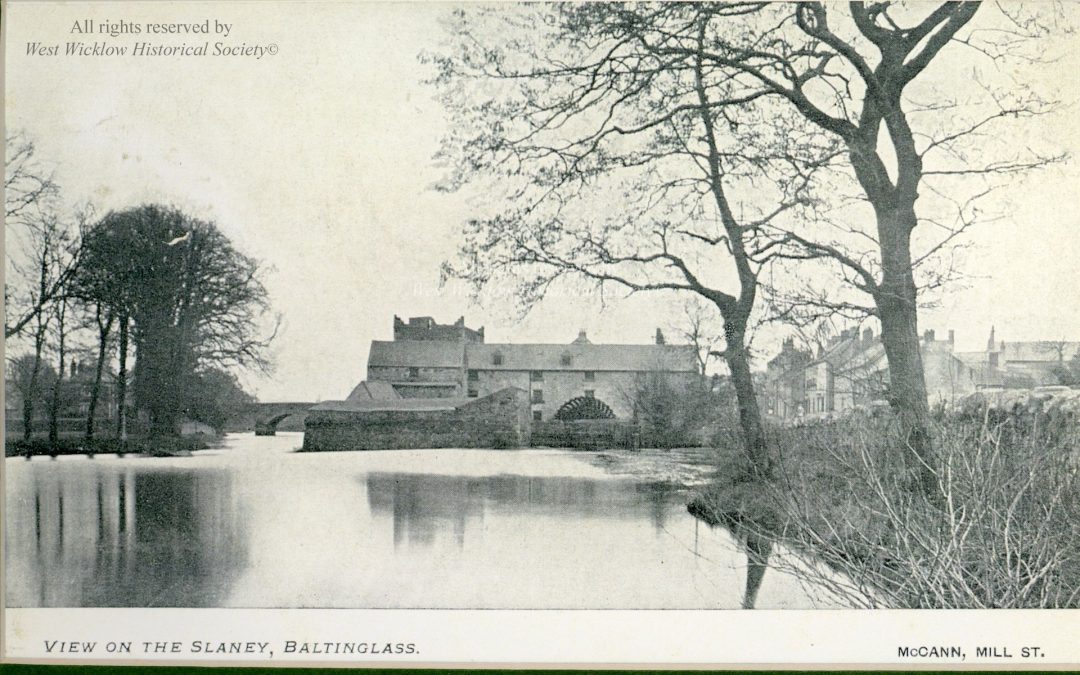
column 851, row 74
column 50, row 250
column 104, row 319
column 698, row 329
column 607, row 159
column 31, row 231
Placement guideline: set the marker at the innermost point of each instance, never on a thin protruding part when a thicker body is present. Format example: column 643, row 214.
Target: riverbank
column 1006, row 535
column 152, row 447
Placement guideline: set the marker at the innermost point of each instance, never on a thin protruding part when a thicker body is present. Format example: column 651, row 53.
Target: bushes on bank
column 1005, row 532
column 153, row 447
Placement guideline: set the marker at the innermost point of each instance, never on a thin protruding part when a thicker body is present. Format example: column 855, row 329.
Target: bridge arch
column 267, row 416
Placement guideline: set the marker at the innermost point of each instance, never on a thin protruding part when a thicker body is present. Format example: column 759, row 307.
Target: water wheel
column 584, row 408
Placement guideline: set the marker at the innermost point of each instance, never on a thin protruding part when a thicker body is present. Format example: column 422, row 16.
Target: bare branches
column 27, row 185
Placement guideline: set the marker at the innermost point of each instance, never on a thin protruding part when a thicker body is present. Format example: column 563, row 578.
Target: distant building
column 851, row 371
column 579, row 379
column 1019, row 365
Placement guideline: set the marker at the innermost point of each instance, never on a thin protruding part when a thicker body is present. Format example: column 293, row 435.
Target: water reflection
column 758, row 548
column 422, row 505
column 255, row 525
column 105, row 535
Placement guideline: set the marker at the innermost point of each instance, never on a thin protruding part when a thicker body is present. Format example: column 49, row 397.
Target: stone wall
column 497, row 421
column 615, row 388
column 586, row 434
column 1055, row 409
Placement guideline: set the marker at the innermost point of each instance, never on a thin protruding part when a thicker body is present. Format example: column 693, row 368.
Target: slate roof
column 415, row 353
column 1043, row 351
column 438, row 354
column 381, row 391
column 380, row 405
column 670, row 358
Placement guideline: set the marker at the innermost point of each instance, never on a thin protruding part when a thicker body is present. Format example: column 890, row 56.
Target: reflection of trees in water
column 757, row 546
column 424, row 504
column 127, row 538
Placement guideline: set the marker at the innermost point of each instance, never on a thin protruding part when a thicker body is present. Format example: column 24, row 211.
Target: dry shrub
column 1004, row 533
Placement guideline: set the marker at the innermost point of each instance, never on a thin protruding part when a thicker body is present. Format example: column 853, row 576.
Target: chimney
column 928, row 336
column 952, row 337
column 659, row 337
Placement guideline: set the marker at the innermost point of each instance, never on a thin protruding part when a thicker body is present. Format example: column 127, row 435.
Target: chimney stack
column 952, row 337
column 928, row 336
column 660, row 337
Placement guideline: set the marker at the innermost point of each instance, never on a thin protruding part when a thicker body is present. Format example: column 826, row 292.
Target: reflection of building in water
column 424, row 505
column 119, row 537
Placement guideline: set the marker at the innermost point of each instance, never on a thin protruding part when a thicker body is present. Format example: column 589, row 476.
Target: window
column 538, row 416
column 590, row 376
column 566, row 360
column 473, row 391
column 414, row 373
column 538, row 396
column 474, row 375
column 590, row 393
column 537, row 376
column 497, row 359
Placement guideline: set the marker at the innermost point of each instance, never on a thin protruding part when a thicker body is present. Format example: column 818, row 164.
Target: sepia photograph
column 498, row 318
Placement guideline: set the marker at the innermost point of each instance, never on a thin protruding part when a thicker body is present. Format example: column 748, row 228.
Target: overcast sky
column 318, row 161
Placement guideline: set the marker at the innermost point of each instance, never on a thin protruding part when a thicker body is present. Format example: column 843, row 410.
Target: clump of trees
column 149, row 282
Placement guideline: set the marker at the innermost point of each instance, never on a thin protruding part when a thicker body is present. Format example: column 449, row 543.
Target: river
column 255, row 524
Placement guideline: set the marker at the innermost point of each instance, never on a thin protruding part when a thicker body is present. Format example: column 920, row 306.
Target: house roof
column 1045, row 351
column 973, row 359
column 415, row 353
column 384, row 405
column 379, row 391
column 670, row 358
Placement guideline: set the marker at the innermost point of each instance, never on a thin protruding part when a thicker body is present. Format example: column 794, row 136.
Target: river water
column 255, row 524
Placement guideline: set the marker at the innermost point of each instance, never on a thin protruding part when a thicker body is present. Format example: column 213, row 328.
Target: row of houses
column 851, row 371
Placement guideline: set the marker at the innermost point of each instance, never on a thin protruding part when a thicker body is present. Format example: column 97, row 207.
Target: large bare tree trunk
column 746, row 398
column 121, row 380
column 54, row 402
column 30, row 396
column 95, row 392
column 896, row 300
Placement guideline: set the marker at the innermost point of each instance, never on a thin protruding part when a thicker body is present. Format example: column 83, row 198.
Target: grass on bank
column 1007, row 533
column 152, row 447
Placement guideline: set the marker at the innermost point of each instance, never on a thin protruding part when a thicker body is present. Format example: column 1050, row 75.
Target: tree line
column 154, row 299
column 781, row 161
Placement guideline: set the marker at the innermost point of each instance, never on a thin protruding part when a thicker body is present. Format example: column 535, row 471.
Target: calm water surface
column 256, row 525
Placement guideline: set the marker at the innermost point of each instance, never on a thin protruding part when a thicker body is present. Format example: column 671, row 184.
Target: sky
column 318, row 160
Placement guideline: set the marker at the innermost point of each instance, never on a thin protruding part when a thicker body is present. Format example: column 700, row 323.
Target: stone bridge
column 264, row 418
